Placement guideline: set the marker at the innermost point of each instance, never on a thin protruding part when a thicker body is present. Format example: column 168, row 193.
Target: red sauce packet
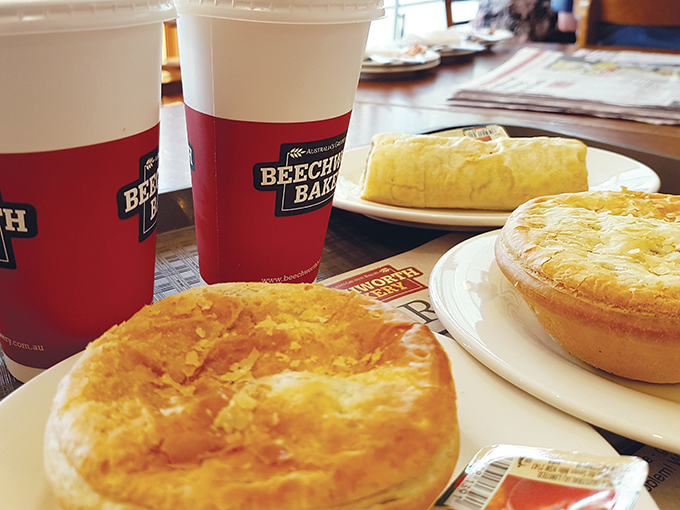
column 507, row 477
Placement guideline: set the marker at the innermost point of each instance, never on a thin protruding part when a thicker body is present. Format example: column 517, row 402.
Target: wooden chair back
column 590, row 13
column 449, row 13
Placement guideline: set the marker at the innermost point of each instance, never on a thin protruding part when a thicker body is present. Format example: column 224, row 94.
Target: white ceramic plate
column 491, row 411
column 459, row 49
column 606, row 171
column 400, row 60
column 370, row 68
column 488, row 37
column 489, row 318
column 455, row 52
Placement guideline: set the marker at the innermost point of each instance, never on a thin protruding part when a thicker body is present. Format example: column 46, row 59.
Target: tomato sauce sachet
column 508, row 477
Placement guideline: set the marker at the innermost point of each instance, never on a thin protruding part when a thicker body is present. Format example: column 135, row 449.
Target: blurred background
column 401, row 17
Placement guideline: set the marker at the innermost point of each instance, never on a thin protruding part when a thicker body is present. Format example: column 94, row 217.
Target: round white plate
column 490, row 411
column 459, row 49
column 456, row 52
column 370, row 68
column 489, row 318
column 400, row 60
column 488, row 37
column 606, row 171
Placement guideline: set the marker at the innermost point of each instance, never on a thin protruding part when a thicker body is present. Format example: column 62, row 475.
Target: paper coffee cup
column 79, row 134
column 268, row 91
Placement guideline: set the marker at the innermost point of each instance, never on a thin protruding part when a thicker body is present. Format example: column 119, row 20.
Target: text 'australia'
column 305, row 176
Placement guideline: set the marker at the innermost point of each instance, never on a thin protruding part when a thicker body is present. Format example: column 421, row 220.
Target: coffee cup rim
column 285, row 11
column 46, row 16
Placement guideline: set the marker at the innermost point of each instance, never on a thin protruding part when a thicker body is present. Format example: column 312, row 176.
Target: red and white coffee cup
column 268, row 89
column 79, row 136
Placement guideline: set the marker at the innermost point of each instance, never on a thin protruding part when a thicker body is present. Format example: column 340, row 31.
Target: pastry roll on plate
column 427, row 171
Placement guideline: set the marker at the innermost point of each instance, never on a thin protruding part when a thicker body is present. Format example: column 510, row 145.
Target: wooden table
column 413, row 105
column 416, row 104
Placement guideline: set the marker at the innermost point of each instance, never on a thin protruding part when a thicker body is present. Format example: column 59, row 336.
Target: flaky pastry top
column 617, row 250
column 256, row 396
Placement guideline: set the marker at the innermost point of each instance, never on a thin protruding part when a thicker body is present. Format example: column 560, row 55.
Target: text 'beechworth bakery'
column 305, row 176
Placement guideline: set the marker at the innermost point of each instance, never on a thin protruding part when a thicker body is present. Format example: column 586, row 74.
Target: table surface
column 412, row 105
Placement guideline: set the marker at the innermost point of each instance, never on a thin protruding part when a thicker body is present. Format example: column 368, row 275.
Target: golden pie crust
column 430, row 171
column 258, row 397
column 601, row 272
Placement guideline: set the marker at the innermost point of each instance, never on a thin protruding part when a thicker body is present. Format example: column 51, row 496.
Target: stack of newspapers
column 632, row 85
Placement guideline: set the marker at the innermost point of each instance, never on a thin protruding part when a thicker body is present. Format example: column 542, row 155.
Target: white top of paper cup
column 285, row 11
column 44, row 16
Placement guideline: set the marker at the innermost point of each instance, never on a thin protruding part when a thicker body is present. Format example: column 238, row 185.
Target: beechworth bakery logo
column 304, row 177
column 140, row 197
column 384, row 283
column 17, row 220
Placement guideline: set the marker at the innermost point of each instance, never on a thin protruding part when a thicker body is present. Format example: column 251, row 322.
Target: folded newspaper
column 632, row 85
